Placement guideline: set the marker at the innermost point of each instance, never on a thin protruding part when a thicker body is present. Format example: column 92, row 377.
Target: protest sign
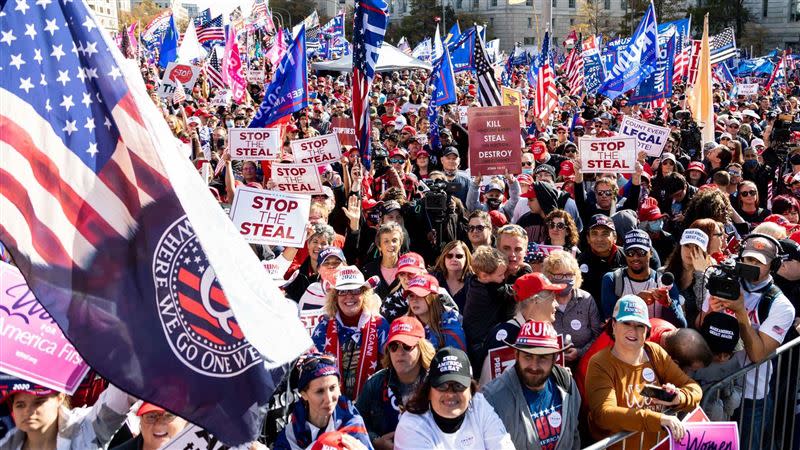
column 462, row 114
column 184, row 73
column 608, row 155
column 747, row 89
column 697, row 415
column 270, row 217
column 255, row 144
column 296, row 178
column 718, row 435
column 649, row 138
column 255, row 76
column 511, row 97
column 32, row 345
column 273, row 269
column 319, row 150
column 345, row 130
column 194, row 438
column 224, row 97
column 494, row 140
column 311, row 317
column 500, row 359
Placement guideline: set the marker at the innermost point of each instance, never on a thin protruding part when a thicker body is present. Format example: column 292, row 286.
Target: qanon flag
column 635, row 61
column 287, row 93
column 121, row 241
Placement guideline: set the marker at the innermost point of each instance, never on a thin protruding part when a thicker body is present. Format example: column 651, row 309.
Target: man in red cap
column 538, row 401
column 651, row 220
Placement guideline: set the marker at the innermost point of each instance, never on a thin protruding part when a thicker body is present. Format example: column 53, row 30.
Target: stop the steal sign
column 255, row 144
column 608, row 155
column 270, row 217
column 317, row 150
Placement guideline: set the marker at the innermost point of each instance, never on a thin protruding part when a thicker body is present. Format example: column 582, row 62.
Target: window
column 571, row 22
column 460, row 4
column 527, row 41
column 528, row 2
column 606, row 4
column 530, row 22
column 764, row 7
column 555, row 3
column 493, row 2
column 794, row 12
column 491, row 22
column 476, row 4
column 623, row 5
column 571, row 3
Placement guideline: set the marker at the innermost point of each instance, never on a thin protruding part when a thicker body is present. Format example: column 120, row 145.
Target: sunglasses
column 394, row 346
column 456, row 256
column 748, row 193
column 735, row 174
column 347, row 292
column 397, row 161
column 570, row 150
column 153, row 417
column 635, row 252
column 527, row 163
column 476, row 228
column 605, row 193
column 451, row 386
column 556, row 225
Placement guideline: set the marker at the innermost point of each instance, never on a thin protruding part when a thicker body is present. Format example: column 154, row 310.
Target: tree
column 723, row 14
column 666, row 11
column 753, row 37
column 144, row 12
column 594, row 18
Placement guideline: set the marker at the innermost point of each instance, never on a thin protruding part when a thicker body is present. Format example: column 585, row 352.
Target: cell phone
column 657, row 392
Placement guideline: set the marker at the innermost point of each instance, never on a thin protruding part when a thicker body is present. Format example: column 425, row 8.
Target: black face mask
column 219, row 143
column 493, row 203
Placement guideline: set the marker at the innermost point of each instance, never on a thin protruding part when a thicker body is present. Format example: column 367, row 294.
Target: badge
column 501, row 335
column 584, row 268
column 575, row 324
column 648, row 375
column 554, row 419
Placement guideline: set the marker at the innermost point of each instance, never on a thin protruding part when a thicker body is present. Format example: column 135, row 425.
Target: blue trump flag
column 462, row 55
column 120, row 240
column 636, row 61
column 443, row 81
column 593, row 70
column 169, row 46
column 288, row 91
column 452, row 35
column 659, row 83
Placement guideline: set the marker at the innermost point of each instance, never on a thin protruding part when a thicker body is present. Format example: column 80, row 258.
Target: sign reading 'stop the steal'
column 608, row 155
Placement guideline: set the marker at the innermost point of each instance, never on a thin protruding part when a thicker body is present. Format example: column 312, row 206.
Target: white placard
column 185, row 73
column 270, row 217
column 194, row 437
column 319, row 150
column 255, row 144
column 296, row 178
column 649, row 138
column 607, row 155
column 255, row 76
column 224, row 97
column 462, row 114
column 747, row 89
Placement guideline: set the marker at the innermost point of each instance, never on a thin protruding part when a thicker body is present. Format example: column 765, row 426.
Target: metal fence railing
column 767, row 417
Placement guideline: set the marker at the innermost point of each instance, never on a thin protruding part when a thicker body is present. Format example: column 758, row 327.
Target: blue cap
column 637, row 239
column 631, row 308
column 330, row 251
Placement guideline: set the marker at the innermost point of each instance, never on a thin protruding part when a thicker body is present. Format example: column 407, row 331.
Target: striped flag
column 369, row 28
column 694, row 60
column 682, row 63
column 574, row 70
column 210, row 31
column 546, row 93
column 214, row 69
column 778, row 75
column 488, row 92
column 119, row 238
column 723, row 46
column 179, row 96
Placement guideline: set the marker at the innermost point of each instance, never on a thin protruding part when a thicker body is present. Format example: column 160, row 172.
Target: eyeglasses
column 733, row 126
column 635, row 252
column 562, row 276
column 397, row 161
column 346, row 292
column 394, row 346
column 476, row 228
column 605, row 193
column 748, row 193
column 155, row 417
column 556, row 225
column 451, row 386
column 527, row 163
column 570, row 150
column 454, row 255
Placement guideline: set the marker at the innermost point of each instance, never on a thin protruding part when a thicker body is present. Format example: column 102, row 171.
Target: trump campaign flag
column 593, row 71
column 169, row 46
column 232, row 72
column 369, row 27
column 636, row 60
column 118, row 236
column 287, row 93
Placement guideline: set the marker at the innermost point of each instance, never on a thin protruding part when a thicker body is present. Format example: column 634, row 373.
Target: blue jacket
column 452, row 332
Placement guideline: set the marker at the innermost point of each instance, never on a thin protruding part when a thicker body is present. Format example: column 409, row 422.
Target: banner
column 494, row 140
column 511, row 97
column 32, row 345
column 635, row 61
column 345, row 130
column 607, row 155
column 311, row 317
column 699, row 435
column 184, row 74
column 255, row 76
column 649, row 138
column 319, row 150
column 270, row 217
column 287, row 93
column 658, row 85
column 500, row 359
column 296, row 178
column 747, row 89
column 224, row 97
column 255, row 144
column 194, row 437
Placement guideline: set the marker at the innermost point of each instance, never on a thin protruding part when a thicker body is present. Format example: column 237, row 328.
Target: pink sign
column 32, row 345
column 716, row 435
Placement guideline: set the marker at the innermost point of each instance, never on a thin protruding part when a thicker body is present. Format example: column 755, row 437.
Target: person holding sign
column 605, row 199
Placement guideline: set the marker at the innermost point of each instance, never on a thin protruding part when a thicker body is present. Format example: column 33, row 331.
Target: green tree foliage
column 144, row 12
column 722, row 14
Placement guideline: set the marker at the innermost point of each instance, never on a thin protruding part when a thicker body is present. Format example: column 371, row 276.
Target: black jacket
column 488, row 304
column 593, row 268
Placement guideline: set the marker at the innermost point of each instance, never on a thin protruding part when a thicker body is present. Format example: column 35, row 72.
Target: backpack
column 619, row 282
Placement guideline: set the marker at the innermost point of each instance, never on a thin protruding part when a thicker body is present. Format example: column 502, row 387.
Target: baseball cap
column 761, row 249
column 423, row 284
column 411, row 263
column 332, row 440
column 9, row 387
column 406, row 329
column 494, row 186
column 669, row 156
column 547, row 168
column 725, row 136
column 525, row 179
column 531, row 284
column 450, row 150
column 567, row 169
column 782, row 221
column 537, row 338
column 409, row 129
column 637, row 239
column 398, row 151
column 790, row 249
column 649, row 210
column 391, row 205
column 450, row 364
column 498, row 218
column 349, row 277
column 720, row 331
column 695, row 236
column 697, row 165
column 529, row 194
column 631, row 308
column 329, row 251
column 148, row 408
column 756, row 142
column 750, row 113
column 601, row 220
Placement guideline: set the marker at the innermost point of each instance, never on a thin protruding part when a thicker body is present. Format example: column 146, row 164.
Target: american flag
column 723, row 46
column 546, row 94
column 682, row 59
column 369, row 27
column 94, row 195
column 179, row 96
column 574, row 71
column 778, row 75
column 260, row 9
column 210, row 30
column 214, row 69
column 488, row 92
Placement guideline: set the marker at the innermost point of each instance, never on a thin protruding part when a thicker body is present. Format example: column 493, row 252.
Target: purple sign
column 32, row 345
column 709, row 436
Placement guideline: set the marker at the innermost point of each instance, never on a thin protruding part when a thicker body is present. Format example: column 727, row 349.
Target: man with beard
column 638, row 278
column 538, row 401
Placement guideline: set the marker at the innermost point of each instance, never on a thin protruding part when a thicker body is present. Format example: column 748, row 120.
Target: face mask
column 656, row 226
column 570, row 284
column 493, row 203
column 229, row 123
column 750, row 164
column 220, row 143
column 528, row 171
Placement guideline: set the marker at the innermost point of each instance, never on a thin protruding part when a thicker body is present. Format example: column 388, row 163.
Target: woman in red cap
column 157, row 427
column 442, row 325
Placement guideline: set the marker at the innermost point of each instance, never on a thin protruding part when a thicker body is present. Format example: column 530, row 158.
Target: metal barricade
column 779, row 430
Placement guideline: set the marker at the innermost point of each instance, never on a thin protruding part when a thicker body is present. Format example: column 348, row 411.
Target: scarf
column 368, row 349
column 345, row 419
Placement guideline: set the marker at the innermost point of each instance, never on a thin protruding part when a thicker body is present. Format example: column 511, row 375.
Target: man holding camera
column 765, row 316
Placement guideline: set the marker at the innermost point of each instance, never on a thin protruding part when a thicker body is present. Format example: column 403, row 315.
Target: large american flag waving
column 117, row 235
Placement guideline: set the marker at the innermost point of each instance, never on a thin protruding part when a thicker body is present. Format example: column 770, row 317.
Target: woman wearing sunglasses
column 352, row 330
column 453, row 270
column 746, row 204
column 447, row 411
column 321, row 408
column 407, row 359
column 561, row 230
column 442, row 323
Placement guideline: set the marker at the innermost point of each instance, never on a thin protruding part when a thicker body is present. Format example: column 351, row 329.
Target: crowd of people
column 543, row 309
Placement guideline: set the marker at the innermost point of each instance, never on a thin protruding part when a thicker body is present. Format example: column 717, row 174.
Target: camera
column 437, row 199
column 782, row 130
column 724, row 279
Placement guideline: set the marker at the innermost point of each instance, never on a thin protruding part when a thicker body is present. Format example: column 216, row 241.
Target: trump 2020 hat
column 537, row 338
column 631, row 308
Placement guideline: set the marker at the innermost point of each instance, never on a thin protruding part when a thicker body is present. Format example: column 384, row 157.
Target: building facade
column 106, row 13
column 178, row 10
column 779, row 19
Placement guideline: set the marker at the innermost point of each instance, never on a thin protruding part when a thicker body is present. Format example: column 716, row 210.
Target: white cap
column 349, row 277
column 756, row 141
column 695, row 236
column 750, row 113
